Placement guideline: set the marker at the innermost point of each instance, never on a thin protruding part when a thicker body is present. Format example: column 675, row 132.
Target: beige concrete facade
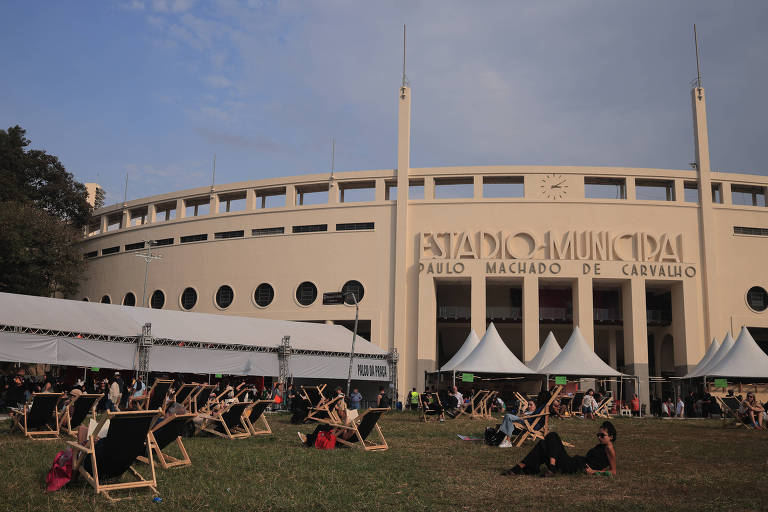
column 649, row 281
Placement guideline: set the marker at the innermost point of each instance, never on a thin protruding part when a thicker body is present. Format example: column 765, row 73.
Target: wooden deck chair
column 240, row 391
column 313, row 395
column 575, row 409
column 485, row 405
column 199, row 400
column 602, row 410
column 77, row 410
column 473, row 405
column 229, row 422
column 430, row 405
column 535, row 426
column 40, row 419
column 183, row 395
column 362, row 427
column 109, row 458
column 155, row 398
column 220, row 399
column 163, row 434
column 256, row 414
column 325, row 410
column 730, row 406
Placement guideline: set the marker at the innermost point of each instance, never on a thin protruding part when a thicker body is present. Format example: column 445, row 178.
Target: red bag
column 61, row 471
column 325, row 440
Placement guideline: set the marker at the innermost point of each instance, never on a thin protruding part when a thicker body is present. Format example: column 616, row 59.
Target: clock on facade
column 553, row 186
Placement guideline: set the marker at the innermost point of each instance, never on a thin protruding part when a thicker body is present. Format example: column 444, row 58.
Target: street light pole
column 354, row 337
column 148, row 257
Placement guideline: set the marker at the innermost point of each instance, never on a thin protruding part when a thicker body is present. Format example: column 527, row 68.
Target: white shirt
column 680, row 408
column 459, row 397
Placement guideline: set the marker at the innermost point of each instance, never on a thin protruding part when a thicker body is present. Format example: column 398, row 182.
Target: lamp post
column 148, row 257
column 334, row 298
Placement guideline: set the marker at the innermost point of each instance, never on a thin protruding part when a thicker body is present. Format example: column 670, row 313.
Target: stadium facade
column 650, row 263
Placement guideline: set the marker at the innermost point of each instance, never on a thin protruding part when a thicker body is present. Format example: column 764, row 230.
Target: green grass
column 663, row 465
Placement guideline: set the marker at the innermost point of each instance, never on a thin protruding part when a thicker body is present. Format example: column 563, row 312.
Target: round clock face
column 554, row 186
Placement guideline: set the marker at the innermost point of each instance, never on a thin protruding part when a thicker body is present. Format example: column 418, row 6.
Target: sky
column 155, row 88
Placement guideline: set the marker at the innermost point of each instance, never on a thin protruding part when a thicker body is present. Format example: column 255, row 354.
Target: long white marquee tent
column 67, row 332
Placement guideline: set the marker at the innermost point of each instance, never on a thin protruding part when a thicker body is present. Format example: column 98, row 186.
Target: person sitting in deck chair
column 600, row 460
column 751, row 412
column 508, row 423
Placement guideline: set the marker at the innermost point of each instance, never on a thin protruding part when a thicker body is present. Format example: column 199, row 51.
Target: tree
column 42, row 211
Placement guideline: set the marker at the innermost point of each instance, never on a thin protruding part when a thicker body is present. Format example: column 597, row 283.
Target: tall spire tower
column 706, row 222
column 400, row 333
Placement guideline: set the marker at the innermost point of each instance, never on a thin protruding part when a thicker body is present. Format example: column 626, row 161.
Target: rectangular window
column 165, row 212
column 503, row 186
column 654, row 190
column 267, row 231
column 138, row 216
column 312, row 194
column 605, row 188
column 354, row 226
column 233, row 202
column 133, row 247
column 110, row 250
column 310, row 228
column 194, row 238
column 270, row 198
column 691, row 191
column 390, row 190
column 115, row 222
column 415, row 189
column 94, row 227
column 228, row 234
column 747, row 195
column 717, row 193
column 744, row 230
column 163, row 241
column 91, row 254
column 454, row 188
column 197, row 206
column 357, row 191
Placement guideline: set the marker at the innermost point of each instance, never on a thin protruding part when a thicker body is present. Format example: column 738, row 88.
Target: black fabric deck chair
column 430, row 407
column 731, row 406
column 578, row 399
column 77, row 411
column 163, row 434
column 184, row 394
column 325, row 410
column 256, row 414
column 230, row 422
column 361, row 429
column 155, row 398
column 199, row 400
column 40, row 419
column 110, row 457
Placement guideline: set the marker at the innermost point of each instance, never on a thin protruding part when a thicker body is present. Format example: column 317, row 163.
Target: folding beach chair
column 257, row 413
column 78, row 410
column 730, row 406
column 578, row 399
column 313, row 395
column 474, row 406
column 602, row 410
column 199, row 400
column 535, row 426
column 40, row 419
column 165, row 433
column 319, row 407
column 155, row 398
column 430, row 405
column 109, row 458
column 362, row 427
column 183, row 395
column 230, row 422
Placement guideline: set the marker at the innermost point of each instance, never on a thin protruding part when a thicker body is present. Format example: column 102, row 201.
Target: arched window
column 129, row 299
column 158, row 300
column 106, row 300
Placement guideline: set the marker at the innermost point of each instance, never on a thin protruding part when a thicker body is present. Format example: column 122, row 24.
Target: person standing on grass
column 354, row 399
column 413, row 397
column 382, row 400
column 680, row 408
column 589, row 405
column 600, row 460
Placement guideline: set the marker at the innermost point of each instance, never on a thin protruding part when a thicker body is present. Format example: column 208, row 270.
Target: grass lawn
column 663, row 465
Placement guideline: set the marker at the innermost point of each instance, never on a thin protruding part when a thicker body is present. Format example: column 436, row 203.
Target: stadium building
column 651, row 264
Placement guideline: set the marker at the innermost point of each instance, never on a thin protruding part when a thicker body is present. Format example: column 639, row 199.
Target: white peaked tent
column 469, row 345
column 725, row 347
column 577, row 358
column 492, row 356
column 745, row 360
column 548, row 351
column 711, row 351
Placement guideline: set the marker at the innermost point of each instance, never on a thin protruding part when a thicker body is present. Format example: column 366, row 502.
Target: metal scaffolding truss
column 67, row 334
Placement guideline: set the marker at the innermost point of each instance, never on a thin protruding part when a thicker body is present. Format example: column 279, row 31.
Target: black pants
column 552, row 446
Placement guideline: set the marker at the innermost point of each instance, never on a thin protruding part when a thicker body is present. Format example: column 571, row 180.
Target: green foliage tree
column 42, row 211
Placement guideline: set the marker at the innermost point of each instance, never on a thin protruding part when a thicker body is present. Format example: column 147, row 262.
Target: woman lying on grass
column 600, row 460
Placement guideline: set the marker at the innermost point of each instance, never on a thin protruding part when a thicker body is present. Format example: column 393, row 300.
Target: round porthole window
column 188, row 298
column 106, row 300
column 224, row 297
column 306, row 293
column 264, row 295
column 129, row 299
column 351, row 288
column 158, row 300
column 757, row 299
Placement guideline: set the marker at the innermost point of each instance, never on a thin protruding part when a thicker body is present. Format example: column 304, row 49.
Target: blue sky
column 156, row 87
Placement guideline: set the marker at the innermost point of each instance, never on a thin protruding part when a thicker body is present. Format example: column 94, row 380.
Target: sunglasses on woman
column 601, row 435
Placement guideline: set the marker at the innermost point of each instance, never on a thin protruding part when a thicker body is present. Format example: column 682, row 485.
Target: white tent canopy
column 57, row 331
column 548, row 351
column 711, row 351
column 725, row 347
column 492, row 356
column 577, row 358
column 469, row 345
column 745, row 360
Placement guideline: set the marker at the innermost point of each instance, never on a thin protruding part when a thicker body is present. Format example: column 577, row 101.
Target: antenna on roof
column 698, row 66
column 333, row 156
column 125, row 190
column 213, row 178
column 405, row 79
